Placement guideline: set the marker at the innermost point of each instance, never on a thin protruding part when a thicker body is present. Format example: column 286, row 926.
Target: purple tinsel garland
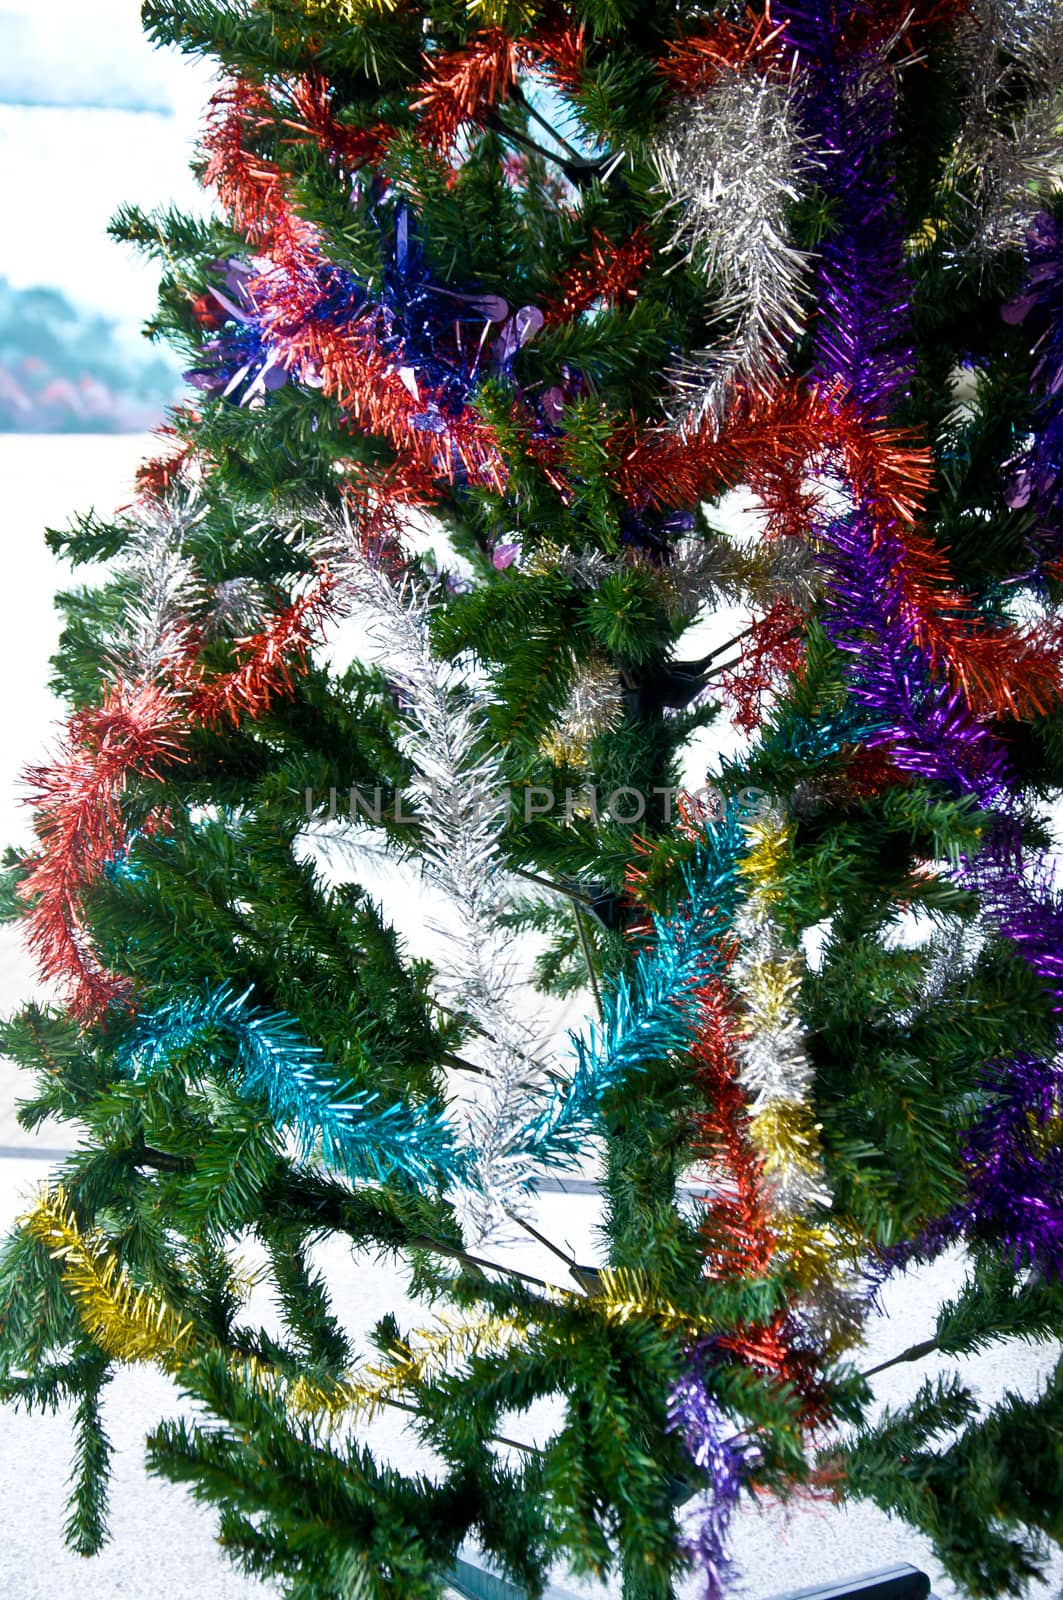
column 1015, row 1182
column 713, row 1447
column 862, row 286
column 1021, row 898
column 930, row 732
column 1038, row 481
column 1015, row 1171
column 1016, row 1162
column 927, row 726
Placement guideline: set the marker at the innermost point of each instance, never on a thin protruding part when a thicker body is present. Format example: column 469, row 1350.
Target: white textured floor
column 162, row 1541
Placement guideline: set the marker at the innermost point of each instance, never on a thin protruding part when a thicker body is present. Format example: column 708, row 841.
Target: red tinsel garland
column 560, row 53
column 137, row 729
column 770, row 444
column 759, row 44
column 463, row 85
column 736, row 1236
column 605, row 271
column 695, row 62
column 251, row 187
column 772, row 651
column 735, row 1231
column 267, row 661
column 347, row 359
column 348, row 148
column 79, row 824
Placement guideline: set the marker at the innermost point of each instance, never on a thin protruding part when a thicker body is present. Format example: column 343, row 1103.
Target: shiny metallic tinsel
column 461, row 799
column 238, row 608
column 698, row 571
column 595, row 704
column 1015, row 162
column 165, row 591
column 784, row 569
column 703, row 571
column 775, row 1069
column 167, row 596
column 778, row 1076
column 732, row 162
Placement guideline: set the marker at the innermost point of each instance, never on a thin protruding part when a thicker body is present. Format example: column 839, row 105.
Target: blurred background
column 90, row 116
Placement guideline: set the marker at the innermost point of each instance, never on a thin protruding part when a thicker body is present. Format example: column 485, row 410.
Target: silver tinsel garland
column 164, row 589
column 778, row 1076
column 702, row 571
column 168, row 598
column 461, row 801
column 697, row 571
column 1014, row 162
column 732, row 161
column 595, row 704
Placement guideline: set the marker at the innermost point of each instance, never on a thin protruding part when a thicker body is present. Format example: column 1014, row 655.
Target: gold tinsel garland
column 778, row 1078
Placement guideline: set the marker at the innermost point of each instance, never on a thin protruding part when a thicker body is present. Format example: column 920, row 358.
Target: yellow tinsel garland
column 134, row 1325
column 349, row 10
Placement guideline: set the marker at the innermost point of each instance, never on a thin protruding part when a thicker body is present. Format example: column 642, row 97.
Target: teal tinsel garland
column 644, row 1020
column 652, row 1016
column 273, row 1060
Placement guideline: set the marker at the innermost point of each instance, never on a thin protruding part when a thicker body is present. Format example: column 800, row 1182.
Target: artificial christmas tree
column 553, row 282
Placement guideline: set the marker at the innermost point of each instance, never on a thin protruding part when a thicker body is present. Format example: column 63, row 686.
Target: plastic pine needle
column 383, row 200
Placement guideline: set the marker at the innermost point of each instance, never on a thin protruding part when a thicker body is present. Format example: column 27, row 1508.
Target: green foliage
column 85, row 1530
column 226, row 880
column 989, row 1499
column 626, row 617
